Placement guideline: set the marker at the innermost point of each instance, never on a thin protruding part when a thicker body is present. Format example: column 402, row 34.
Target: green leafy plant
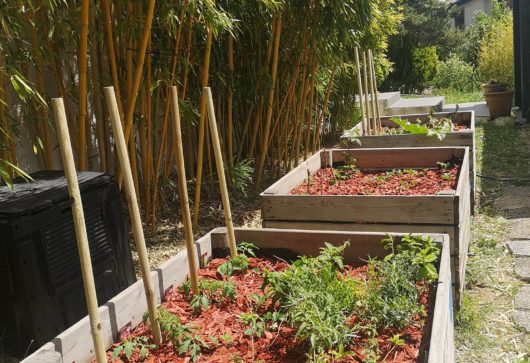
column 420, row 251
column 211, row 291
column 496, row 52
column 129, row 346
column 240, row 262
column 186, row 338
column 434, row 127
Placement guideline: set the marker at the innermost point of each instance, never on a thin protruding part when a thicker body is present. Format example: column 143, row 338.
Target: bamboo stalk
column 134, row 212
column 268, row 118
column 96, row 96
column 230, row 101
column 378, row 113
column 372, row 93
column 360, row 89
column 221, row 173
column 324, row 109
column 183, row 191
column 80, row 229
column 202, row 112
column 42, row 111
column 367, row 104
column 83, row 43
column 111, row 53
column 139, row 68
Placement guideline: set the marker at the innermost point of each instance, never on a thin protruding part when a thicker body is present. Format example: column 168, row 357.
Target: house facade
column 463, row 11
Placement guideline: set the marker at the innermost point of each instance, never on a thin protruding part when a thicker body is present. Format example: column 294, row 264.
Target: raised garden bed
column 462, row 135
column 448, row 211
column 126, row 310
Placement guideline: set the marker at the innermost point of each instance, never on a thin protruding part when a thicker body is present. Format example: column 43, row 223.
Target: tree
column 425, row 23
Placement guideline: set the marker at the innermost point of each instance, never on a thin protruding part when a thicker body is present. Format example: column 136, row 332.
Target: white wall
column 471, row 7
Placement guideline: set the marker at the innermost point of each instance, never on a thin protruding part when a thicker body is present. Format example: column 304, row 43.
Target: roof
column 459, row 2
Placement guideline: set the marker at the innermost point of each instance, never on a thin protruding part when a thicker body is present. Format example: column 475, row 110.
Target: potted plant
column 499, row 97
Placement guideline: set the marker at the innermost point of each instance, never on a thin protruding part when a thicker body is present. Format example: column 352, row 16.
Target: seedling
column 211, row 291
column 240, row 262
column 129, row 346
column 447, row 177
column 186, row 338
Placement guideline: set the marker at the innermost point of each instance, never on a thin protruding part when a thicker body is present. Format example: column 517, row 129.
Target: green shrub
column 496, row 53
column 456, row 74
column 424, row 66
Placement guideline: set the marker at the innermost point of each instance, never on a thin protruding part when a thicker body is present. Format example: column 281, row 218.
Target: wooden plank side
column 441, row 347
column 296, row 176
column 355, row 208
column 361, row 227
column 393, row 158
column 126, row 308
column 461, row 138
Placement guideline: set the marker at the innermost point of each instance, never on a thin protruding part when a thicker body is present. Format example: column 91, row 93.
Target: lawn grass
column 485, row 331
column 454, row 96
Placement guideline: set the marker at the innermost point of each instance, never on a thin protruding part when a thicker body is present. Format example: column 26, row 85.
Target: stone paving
column 515, row 203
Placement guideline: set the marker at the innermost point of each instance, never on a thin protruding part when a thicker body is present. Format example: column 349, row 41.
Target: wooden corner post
column 183, row 190
column 221, row 173
column 80, row 228
column 134, row 211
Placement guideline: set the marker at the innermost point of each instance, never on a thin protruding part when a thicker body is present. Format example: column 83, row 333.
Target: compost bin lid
column 47, row 189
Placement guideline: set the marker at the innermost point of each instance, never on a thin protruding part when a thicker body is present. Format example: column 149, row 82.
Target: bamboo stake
column 268, row 118
column 202, row 114
column 367, row 104
column 80, row 229
column 360, row 87
column 221, row 173
column 134, row 212
column 83, row 42
column 183, row 191
column 378, row 114
column 372, row 93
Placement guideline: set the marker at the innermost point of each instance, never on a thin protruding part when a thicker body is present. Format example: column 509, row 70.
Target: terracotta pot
column 494, row 87
column 499, row 103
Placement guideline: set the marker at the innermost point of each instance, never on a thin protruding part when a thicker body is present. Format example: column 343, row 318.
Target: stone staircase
column 391, row 103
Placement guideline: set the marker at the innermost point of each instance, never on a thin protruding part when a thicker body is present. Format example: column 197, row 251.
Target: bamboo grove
column 281, row 71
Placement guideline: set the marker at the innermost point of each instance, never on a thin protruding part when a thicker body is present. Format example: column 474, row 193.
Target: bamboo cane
column 230, row 101
column 360, row 87
column 134, row 212
column 367, row 104
column 378, row 113
column 221, row 173
column 83, row 42
column 202, row 108
column 268, row 118
column 80, row 229
column 372, row 93
column 111, row 53
column 183, row 190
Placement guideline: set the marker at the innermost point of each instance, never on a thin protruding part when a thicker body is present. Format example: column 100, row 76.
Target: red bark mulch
column 274, row 346
column 331, row 181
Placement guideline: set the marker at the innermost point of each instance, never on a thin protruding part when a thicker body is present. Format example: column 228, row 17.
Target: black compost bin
column 41, row 289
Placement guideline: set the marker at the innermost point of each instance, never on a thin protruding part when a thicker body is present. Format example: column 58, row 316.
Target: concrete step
column 384, row 99
column 415, row 105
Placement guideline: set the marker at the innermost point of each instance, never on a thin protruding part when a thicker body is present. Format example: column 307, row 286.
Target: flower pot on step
column 499, row 103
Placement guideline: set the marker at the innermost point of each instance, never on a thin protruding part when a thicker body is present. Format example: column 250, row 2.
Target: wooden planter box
column 457, row 138
column 443, row 213
column 127, row 308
